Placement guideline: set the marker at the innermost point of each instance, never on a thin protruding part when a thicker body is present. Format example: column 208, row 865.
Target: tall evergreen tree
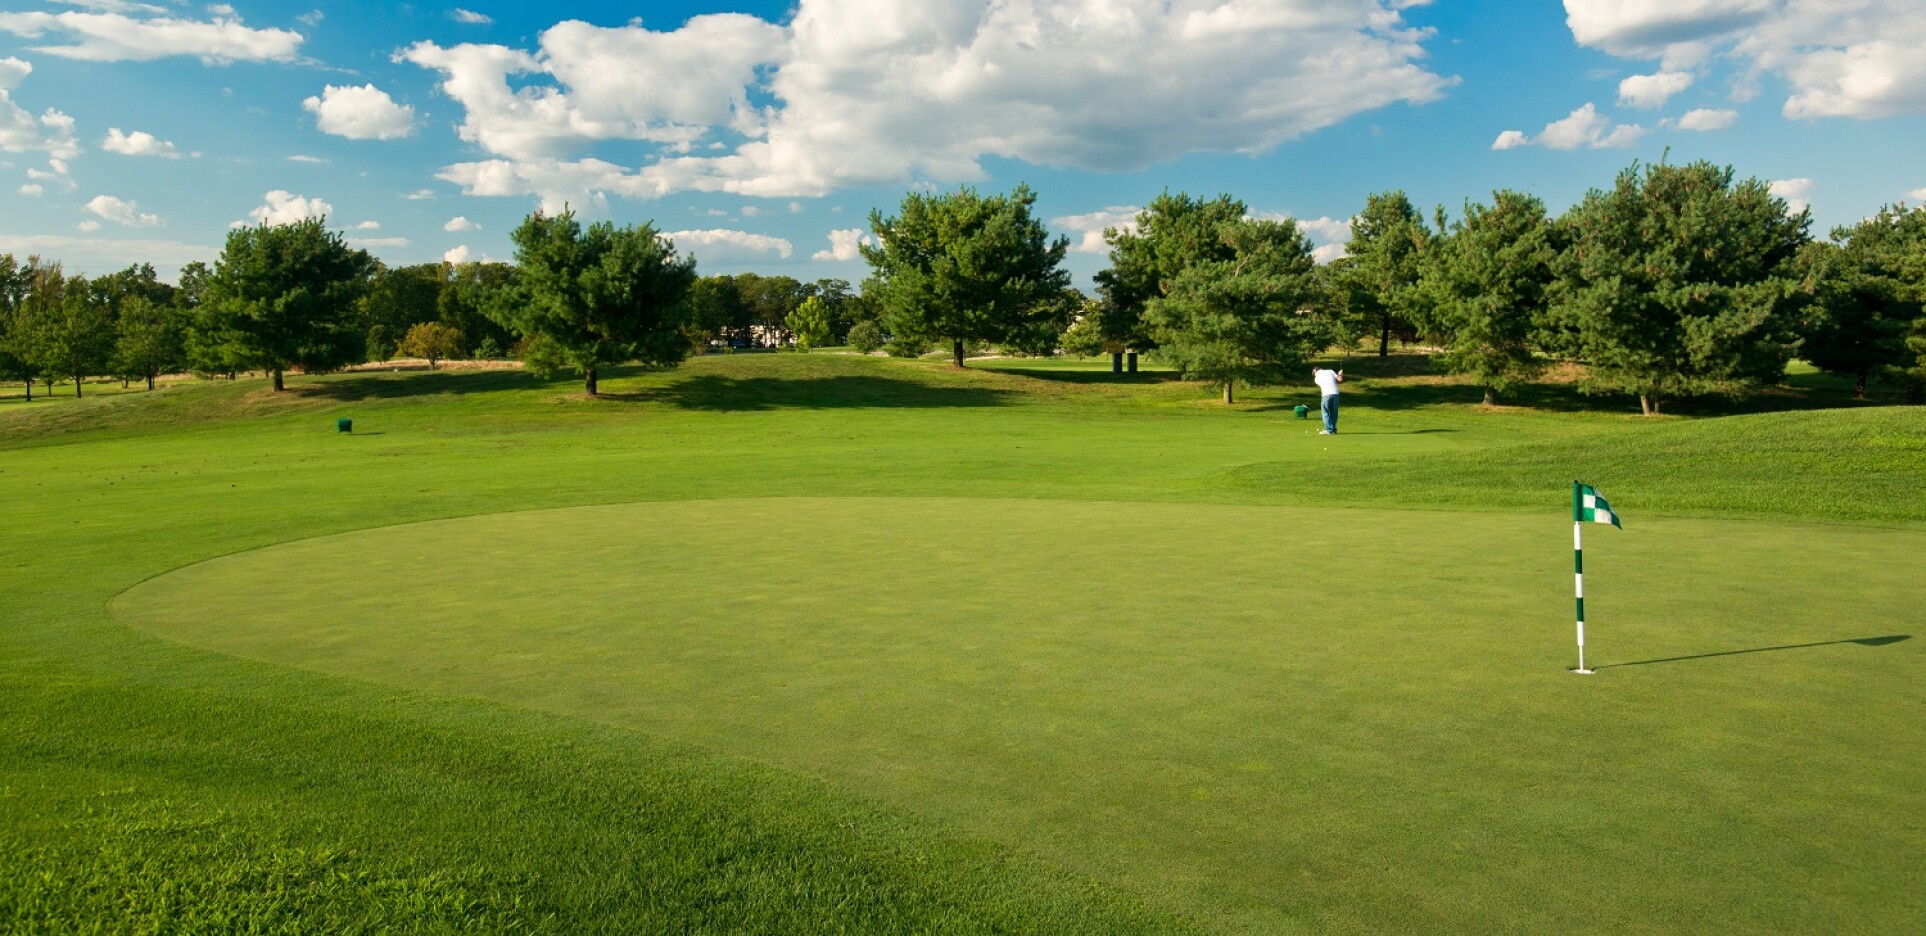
column 1485, row 285
column 1253, row 317
column 1171, row 234
column 1677, row 281
column 962, row 267
column 1383, row 261
column 1867, row 297
column 590, row 298
column 286, row 295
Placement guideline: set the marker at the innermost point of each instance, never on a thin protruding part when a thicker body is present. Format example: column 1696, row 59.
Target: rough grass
column 146, row 785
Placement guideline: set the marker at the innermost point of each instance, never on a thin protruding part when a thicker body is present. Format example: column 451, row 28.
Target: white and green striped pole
column 1586, row 505
column 1578, row 569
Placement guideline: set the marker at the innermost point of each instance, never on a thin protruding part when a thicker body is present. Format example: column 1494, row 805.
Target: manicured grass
column 868, row 645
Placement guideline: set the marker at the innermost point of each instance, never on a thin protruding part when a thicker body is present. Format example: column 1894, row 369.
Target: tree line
column 1676, row 281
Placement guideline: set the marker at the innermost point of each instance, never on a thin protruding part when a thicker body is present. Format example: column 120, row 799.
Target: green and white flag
column 1589, row 507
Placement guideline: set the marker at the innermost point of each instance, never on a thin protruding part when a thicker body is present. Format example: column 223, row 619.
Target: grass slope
column 153, row 785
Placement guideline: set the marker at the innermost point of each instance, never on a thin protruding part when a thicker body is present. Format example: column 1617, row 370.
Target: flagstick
column 1578, row 575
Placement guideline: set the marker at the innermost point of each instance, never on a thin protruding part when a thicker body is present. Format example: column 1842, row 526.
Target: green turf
column 893, row 648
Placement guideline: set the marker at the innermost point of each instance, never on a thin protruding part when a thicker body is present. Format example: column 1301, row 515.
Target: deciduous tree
column 149, row 339
column 716, row 310
column 399, row 298
column 431, row 340
column 16, row 358
column 75, row 336
column 867, row 336
column 810, row 323
column 467, row 290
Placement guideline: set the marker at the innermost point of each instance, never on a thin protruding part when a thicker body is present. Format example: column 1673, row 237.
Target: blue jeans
column 1328, row 406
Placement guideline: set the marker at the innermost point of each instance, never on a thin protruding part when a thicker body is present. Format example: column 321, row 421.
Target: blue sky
column 761, row 134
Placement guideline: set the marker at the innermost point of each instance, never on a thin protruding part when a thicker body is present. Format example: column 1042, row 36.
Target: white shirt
column 1327, row 381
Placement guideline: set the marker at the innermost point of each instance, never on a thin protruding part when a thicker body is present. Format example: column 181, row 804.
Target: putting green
column 1264, row 716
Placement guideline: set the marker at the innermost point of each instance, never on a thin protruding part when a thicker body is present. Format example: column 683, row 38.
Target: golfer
column 1327, row 384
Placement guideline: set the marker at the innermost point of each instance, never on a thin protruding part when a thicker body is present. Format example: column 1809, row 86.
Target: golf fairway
column 1267, row 717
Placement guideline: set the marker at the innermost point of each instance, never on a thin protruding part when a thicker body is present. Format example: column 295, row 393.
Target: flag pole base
column 1583, row 671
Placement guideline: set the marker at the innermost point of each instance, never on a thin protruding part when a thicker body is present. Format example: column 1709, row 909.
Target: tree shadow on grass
column 1800, row 392
column 1104, row 376
column 747, row 394
column 1861, row 641
column 377, row 386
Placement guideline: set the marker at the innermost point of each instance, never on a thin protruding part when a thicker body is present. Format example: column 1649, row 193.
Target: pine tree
column 1679, row 281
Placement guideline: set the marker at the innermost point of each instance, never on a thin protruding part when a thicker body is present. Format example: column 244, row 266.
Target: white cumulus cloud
column 723, row 244
column 1584, row 128
column 368, row 226
column 1326, row 230
column 32, row 190
column 1796, row 192
column 1511, row 139
column 1088, row 228
column 13, row 71
column 1328, row 235
column 1918, row 194
column 1838, row 58
column 456, row 255
column 121, row 212
column 118, row 37
column 459, row 223
column 845, row 244
column 51, row 133
column 1706, row 119
column 1650, row 91
column 843, row 93
column 470, row 17
column 360, row 113
column 89, row 225
column 283, row 207
column 137, row 143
